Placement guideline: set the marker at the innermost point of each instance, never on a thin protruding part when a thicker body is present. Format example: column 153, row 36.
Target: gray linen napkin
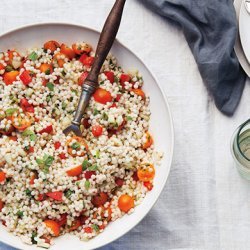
column 210, row 29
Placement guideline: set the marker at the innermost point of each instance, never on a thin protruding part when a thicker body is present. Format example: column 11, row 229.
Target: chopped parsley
column 68, row 193
column 87, row 184
column 45, row 162
column 85, row 165
column 8, row 68
column 76, row 145
column 28, row 192
column 47, row 72
column 96, row 112
column 105, row 116
column 11, row 111
column 33, row 56
column 93, row 168
column 19, row 214
column 96, row 227
column 50, row 86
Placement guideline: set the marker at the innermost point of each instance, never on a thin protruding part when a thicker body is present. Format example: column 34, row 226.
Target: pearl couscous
column 52, row 184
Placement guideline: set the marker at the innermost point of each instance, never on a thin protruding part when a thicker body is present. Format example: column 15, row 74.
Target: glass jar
column 240, row 149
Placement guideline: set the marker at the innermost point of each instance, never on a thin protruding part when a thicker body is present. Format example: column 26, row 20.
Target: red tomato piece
column 124, row 78
column 118, row 97
column 82, row 78
column 85, row 123
column 54, row 226
column 57, row 145
column 76, row 224
column 88, row 230
column 26, row 107
column 48, row 130
column 2, row 177
column 82, row 58
column 87, row 61
column 100, row 199
column 119, row 182
column 33, row 178
column 110, row 76
column 135, row 176
column 51, row 45
column 63, row 220
column 62, row 156
column 25, row 77
column 97, row 130
column 10, row 77
column 148, row 185
column 40, row 197
column 102, row 96
column 67, row 51
column 57, row 195
column 88, row 174
column 13, row 138
column 1, row 205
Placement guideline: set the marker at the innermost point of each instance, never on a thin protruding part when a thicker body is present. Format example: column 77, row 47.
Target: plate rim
column 242, row 8
column 171, row 151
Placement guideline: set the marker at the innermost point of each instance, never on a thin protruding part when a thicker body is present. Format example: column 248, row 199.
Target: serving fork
column 90, row 85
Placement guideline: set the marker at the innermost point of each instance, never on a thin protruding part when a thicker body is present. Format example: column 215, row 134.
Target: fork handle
column 105, row 43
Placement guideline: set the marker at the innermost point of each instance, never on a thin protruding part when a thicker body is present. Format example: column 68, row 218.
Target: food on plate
column 52, row 184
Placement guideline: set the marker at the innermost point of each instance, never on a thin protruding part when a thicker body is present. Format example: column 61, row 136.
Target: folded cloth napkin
column 210, row 29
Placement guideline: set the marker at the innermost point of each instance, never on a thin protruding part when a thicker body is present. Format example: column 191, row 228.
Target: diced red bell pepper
column 135, row 177
column 26, row 106
column 57, row 145
column 119, row 182
column 88, row 230
column 48, row 130
column 62, row 156
column 88, row 174
column 63, row 220
column 25, row 77
column 110, row 76
column 148, row 185
column 118, row 97
column 82, row 78
column 85, row 123
column 124, row 78
column 87, row 61
column 57, row 195
column 40, row 197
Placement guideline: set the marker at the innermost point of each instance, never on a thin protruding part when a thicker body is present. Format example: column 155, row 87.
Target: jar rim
column 238, row 138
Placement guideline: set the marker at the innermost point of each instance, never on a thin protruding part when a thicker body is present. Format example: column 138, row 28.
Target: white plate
column 161, row 125
column 244, row 27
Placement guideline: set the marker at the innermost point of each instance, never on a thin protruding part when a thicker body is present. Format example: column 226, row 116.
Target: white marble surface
column 205, row 204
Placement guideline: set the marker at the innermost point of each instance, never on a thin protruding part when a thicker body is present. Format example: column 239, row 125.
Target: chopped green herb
column 33, row 137
column 97, row 154
column 87, row 184
column 19, row 214
column 93, row 168
column 95, row 112
column 76, row 145
column 129, row 118
column 11, row 111
column 8, row 68
column 50, row 86
column 101, row 83
column 46, row 162
column 28, row 192
column 39, row 161
column 33, row 56
column 34, row 235
column 68, row 193
column 64, row 105
column 116, row 79
column 27, row 132
column 105, row 116
column 27, row 148
column 63, row 73
column 47, row 72
column 96, row 227
column 85, row 165
column 74, row 91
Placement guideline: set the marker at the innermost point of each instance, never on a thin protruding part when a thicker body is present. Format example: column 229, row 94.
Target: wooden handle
column 106, row 40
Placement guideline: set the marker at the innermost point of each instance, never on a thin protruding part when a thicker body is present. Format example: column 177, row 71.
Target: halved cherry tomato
column 57, row 195
column 46, row 68
column 7, row 131
column 100, row 199
column 125, row 203
column 149, row 141
column 51, row 45
column 87, row 61
column 139, row 92
column 88, row 174
column 30, row 150
column 76, row 224
column 80, row 142
column 81, row 48
column 109, row 210
column 2, row 177
column 54, row 226
column 124, row 78
column 63, row 220
column 119, row 182
column 1, row 205
column 62, row 156
column 88, row 230
column 21, row 122
column 2, row 67
column 110, row 76
column 113, row 106
column 57, row 145
column 25, row 77
column 97, row 130
column 102, row 96
column 75, row 171
column 48, row 130
column 59, row 60
column 85, row 123
column 146, row 173
column 13, row 138
column 67, row 51
column 46, row 239
column 10, row 77
column 148, row 185
column 33, row 178
column 82, row 78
